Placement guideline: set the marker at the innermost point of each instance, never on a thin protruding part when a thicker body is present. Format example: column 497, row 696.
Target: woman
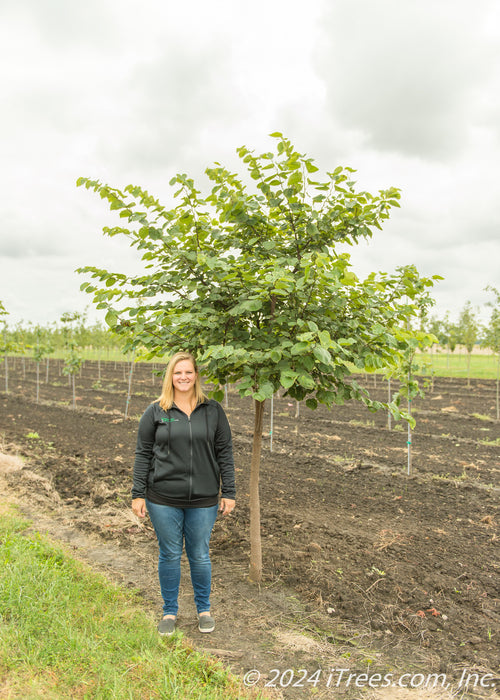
column 184, row 451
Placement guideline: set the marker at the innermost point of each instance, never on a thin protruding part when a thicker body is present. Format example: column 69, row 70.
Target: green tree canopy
column 259, row 283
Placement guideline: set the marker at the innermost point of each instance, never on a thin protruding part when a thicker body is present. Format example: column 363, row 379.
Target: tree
column 259, row 285
column 408, row 365
column 42, row 348
column 438, row 328
column 7, row 344
column 492, row 337
column 73, row 360
column 449, row 336
column 468, row 329
column 4, row 348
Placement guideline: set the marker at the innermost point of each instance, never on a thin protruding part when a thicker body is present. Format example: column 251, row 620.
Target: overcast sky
column 407, row 92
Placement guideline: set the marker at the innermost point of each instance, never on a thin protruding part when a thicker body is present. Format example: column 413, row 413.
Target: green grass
column 482, row 416
column 491, row 443
column 455, row 365
column 67, row 632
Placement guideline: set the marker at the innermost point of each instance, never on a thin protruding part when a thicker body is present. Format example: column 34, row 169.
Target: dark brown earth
column 366, row 568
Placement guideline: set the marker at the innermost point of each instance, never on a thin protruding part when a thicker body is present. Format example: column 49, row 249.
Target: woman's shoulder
column 213, row 403
column 216, row 409
column 153, row 408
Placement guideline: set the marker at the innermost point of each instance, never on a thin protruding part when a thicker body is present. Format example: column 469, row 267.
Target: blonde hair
column 166, row 399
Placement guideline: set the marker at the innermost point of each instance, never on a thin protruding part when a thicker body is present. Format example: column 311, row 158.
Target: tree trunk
column 255, row 539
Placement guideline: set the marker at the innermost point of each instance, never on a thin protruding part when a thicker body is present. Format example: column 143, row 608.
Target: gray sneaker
column 166, row 627
column 206, row 623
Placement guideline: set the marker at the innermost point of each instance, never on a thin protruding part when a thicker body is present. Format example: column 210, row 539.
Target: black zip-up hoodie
column 181, row 460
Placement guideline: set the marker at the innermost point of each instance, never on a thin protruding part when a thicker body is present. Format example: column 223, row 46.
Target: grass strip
column 67, row 632
column 456, row 365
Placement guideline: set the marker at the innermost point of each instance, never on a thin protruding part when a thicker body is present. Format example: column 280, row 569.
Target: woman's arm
column 143, row 453
column 223, row 445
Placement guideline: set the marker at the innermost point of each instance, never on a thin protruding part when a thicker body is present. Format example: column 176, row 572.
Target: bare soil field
column 366, row 568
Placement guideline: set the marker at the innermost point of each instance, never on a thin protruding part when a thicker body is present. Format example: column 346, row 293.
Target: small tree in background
column 437, row 327
column 468, row 330
column 258, row 284
column 491, row 337
column 73, row 360
column 410, row 362
column 3, row 340
column 7, row 344
column 449, row 336
column 42, row 347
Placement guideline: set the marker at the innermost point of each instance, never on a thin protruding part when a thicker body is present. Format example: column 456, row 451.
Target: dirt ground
column 390, row 576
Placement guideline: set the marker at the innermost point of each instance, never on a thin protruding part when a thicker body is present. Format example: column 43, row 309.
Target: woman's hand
column 226, row 505
column 139, row 507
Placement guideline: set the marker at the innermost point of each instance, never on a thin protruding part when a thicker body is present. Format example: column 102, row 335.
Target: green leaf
column 299, row 348
column 325, row 339
column 111, row 318
column 266, row 390
column 306, row 381
column 295, row 178
column 312, row 404
column 349, row 279
column 287, row 378
column 322, row 355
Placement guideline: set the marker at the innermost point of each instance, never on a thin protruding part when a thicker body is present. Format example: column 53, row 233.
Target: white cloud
column 405, row 74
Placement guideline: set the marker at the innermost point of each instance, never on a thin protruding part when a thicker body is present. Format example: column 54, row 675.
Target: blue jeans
column 193, row 527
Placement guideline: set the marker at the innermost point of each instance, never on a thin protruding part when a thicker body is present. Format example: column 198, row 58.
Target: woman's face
column 184, row 377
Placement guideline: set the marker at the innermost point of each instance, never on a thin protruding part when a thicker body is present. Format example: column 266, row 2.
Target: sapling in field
column 129, row 385
column 257, row 282
column 7, row 344
column 4, row 349
column 450, row 335
column 405, row 370
column 468, row 330
column 73, row 359
column 42, row 348
column 492, row 338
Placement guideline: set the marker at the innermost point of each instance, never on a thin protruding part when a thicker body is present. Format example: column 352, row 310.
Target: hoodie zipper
column 190, row 457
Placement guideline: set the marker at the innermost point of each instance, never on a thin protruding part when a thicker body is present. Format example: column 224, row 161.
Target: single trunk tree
column 258, row 285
